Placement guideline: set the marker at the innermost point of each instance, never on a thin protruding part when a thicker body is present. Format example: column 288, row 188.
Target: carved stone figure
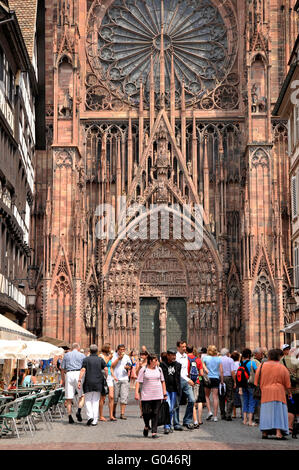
column 110, row 315
column 191, row 319
column 202, row 317
column 117, row 317
column 88, row 316
column 129, row 317
column 163, row 312
column 123, row 316
column 66, row 107
column 134, row 320
column 196, row 320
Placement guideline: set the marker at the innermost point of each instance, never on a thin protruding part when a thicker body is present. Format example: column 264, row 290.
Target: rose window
column 122, row 40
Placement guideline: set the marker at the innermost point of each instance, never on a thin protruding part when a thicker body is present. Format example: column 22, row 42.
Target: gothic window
column 264, row 304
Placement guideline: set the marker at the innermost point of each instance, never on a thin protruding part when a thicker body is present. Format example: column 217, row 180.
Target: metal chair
column 59, row 394
column 22, row 413
column 42, row 408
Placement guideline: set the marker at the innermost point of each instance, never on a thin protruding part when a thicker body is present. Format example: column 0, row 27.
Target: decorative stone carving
column 123, row 316
column 259, row 103
column 66, row 108
column 88, row 321
column 110, row 313
column 134, row 319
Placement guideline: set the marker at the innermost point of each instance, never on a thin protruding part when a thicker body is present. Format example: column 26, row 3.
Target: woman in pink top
column 153, row 392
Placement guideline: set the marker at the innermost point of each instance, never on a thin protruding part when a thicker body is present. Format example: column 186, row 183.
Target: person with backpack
column 246, row 369
column 195, row 372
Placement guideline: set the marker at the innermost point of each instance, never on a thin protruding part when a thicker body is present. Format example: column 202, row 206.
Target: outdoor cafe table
column 22, row 391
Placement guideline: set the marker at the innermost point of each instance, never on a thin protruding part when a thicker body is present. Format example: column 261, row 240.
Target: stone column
column 163, row 318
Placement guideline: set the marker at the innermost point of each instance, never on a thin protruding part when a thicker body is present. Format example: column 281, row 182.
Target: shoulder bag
column 257, row 393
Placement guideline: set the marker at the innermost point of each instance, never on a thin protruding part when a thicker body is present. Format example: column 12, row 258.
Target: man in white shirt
column 186, row 387
column 121, row 365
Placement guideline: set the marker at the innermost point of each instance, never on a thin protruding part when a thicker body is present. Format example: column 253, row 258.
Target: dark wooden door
column 149, row 324
column 176, row 327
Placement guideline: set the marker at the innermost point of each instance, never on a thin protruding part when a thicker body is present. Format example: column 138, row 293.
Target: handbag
column 163, row 414
column 251, row 376
column 206, row 380
column 257, row 393
column 105, row 389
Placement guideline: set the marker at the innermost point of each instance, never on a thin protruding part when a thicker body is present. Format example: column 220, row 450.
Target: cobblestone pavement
column 127, row 435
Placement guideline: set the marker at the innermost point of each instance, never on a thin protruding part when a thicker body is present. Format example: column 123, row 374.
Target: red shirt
column 198, row 363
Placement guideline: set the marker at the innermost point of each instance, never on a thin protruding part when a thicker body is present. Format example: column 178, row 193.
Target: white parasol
column 41, row 350
column 12, row 349
column 31, row 350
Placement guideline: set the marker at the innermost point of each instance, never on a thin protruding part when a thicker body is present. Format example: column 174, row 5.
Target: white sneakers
column 210, row 415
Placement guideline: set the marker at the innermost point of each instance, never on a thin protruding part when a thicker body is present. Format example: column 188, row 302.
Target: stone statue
column 129, row 318
column 214, row 317
column 110, row 315
column 163, row 312
column 196, row 320
column 202, row 318
column 191, row 319
column 66, row 108
column 88, row 316
column 123, row 316
column 117, row 317
column 134, row 320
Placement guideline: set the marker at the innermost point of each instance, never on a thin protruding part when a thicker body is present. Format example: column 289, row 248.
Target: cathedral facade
column 164, row 102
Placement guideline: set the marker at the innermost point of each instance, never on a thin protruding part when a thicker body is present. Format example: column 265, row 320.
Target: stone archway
column 162, row 269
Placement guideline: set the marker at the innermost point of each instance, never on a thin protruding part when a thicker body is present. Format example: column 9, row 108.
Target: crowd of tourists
column 260, row 387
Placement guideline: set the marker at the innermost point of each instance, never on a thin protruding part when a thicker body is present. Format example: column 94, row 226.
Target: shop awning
column 292, row 328
column 55, row 341
column 12, row 331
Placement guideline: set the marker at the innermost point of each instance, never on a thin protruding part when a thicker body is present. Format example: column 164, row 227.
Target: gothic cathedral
column 164, row 102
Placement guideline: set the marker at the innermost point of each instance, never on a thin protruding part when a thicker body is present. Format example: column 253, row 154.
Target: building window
column 296, row 267
column 294, row 196
column 1, row 65
column 10, row 86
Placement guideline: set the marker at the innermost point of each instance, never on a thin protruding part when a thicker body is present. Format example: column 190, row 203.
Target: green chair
column 58, row 393
column 21, row 412
column 42, row 408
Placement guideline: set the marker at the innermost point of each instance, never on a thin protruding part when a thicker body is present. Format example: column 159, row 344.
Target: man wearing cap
column 70, row 371
column 229, row 378
column 285, row 349
column 172, row 374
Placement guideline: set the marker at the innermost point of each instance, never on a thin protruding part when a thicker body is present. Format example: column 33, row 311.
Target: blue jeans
column 172, row 402
column 188, row 390
column 249, row 403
